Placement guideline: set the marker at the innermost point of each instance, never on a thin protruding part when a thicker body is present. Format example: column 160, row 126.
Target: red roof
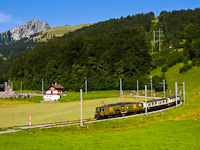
column 57, row 86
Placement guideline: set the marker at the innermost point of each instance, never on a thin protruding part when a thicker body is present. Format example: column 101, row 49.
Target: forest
column 108, row 51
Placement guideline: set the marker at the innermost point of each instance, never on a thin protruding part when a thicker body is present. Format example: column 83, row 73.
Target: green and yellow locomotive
column 117, row 110
column 127, row 108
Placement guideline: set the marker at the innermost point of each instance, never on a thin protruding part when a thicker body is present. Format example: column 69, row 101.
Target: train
column 131, row 108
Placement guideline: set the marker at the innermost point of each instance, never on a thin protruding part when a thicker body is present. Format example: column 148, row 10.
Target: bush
column 180, row 58
column 171, row 62
column 194, row 62
column 185, row 68
column 164, row 68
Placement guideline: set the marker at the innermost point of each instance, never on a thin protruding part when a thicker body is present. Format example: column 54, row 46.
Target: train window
column 152, row 104
column 122, row 107
column 127, row 107
column 149, row 104
column 104, row 109
column 163, row 101
column 155, row 103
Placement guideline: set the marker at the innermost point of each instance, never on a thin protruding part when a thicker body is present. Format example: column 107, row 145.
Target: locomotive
column 128, row 108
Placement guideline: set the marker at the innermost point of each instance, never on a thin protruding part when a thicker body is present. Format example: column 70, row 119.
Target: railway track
column 51, row 125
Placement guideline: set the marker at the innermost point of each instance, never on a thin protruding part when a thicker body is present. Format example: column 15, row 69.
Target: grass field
column 191, row 78
column 176, row 128
column 161, row 135
column 48, row 113
column 58, row 31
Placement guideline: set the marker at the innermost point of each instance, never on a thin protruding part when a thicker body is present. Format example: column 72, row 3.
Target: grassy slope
column 191, row 78
column 177, row 128
column 48, row 113
column 163, row 135
column 60, row 31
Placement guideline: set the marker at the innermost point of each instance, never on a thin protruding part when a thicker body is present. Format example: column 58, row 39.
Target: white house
column 53, row 92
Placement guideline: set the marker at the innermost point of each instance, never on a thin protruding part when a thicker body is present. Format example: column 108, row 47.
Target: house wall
column 51, row 97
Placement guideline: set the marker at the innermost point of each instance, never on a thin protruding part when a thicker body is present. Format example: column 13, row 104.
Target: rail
column 68, row 123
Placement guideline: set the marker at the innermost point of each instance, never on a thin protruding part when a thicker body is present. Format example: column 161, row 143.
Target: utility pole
column 12, row 86
column 151, row 86
column 137, row 87
column 184, row 92
column 121, row 91
column 13, row 121
column 21, row 87
column 176, row 92
column 120, row 86
column 154, row 38
column 86, row 85
column 159, row 39
column 81, row 99
column 6, row 86
column 42, row 86
column 146, row 99
column 163, row 87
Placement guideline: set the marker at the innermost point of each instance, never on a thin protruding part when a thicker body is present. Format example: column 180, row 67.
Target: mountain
column 25, row 30
column 108, row 51
column 12, row 50
column 104, row 52
column 56, row 32
column 5, row 38
column 28, row 29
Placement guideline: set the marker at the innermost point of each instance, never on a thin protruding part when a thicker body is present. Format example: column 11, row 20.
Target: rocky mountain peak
column 29, row 28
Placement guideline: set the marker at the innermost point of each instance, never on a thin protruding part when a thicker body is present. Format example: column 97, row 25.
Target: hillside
column 105, row 52
column 23, row 31
column 57, row 32
column 110, row 50
column 12, row 50
column 101, row 54
column 176, row 128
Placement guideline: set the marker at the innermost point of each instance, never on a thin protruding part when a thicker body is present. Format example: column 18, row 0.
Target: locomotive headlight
column 127, row 107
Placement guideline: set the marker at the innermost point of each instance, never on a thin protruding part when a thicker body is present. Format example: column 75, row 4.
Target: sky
column 74, row 12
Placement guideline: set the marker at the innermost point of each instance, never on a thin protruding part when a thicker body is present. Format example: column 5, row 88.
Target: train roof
column 155, row 100
column 174, row 96
column 120, row 104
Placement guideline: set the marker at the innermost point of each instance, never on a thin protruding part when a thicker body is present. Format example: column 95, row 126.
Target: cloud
column 4, row 18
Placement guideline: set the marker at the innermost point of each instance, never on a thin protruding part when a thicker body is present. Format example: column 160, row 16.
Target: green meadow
column 161, row 135
column 176, row 128
column 58, row 31
column 42, row 113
